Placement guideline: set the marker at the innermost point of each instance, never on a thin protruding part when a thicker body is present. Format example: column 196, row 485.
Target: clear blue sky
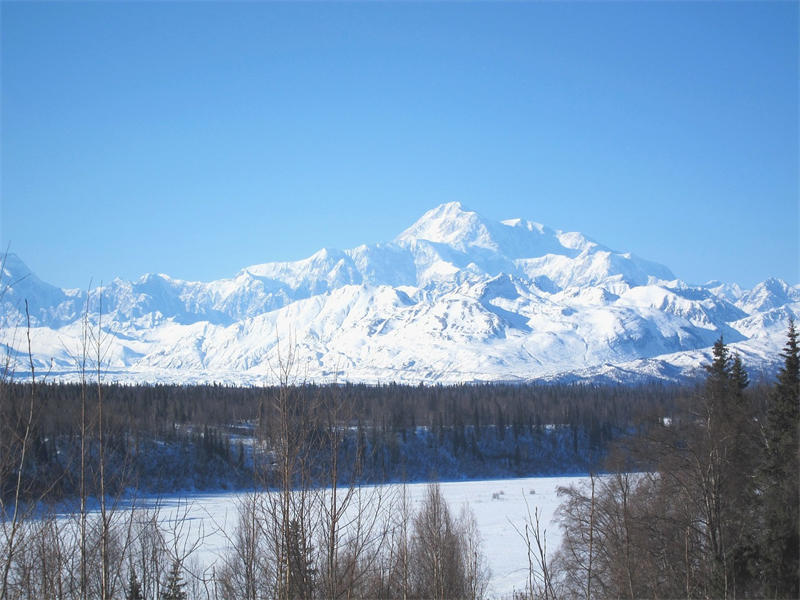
column 196, row 138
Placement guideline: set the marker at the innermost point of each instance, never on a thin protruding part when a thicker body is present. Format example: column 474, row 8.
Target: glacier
column 455, row 298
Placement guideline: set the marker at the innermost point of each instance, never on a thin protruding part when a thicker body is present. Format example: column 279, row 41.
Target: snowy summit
column 455, row 297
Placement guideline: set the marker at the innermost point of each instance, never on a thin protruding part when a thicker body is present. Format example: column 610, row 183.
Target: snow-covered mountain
column 455, row 297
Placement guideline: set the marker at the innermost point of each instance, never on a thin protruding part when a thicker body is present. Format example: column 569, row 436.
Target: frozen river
column 498, row 506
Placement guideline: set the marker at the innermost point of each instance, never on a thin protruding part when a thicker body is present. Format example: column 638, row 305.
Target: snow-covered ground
column 499, row 507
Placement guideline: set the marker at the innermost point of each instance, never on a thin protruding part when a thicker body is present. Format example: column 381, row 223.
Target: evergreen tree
column 240, row 458
column 727, row 451
column 739, row 378
column 173, row 588
column 300, row 559
column 134, row 587
column 779, row 479
column 719, row 374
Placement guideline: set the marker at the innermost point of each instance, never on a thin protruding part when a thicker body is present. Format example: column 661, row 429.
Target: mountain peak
column 453, row 225
column 13, row 265
column 454, row 206
column 462, row 229
column 14, row 271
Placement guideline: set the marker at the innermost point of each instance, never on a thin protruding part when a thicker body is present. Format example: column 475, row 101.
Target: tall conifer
column 779, row 479
column 173, row 589
column 739, row 377
column 134, row 588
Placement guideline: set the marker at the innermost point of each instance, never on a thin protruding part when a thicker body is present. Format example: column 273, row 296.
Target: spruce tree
column 779, row 479
column 134, row 587
column 173, row 588
column 719, row 373
column 739, row 378
column 300, row 559
column 726, row 447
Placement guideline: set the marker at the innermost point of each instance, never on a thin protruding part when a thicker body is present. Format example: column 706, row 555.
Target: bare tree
column 13, row 529
column 393, row 577
column 476, row 571
column 291, row 506
column 247, row 569
column 352, row 525
column 80, row 357
column 437, row 559
column 579, row 543
column 540, row 582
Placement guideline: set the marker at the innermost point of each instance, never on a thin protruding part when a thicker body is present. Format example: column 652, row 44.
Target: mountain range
column 454, row 298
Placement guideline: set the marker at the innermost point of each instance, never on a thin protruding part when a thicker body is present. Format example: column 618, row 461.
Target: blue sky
column 198, row 138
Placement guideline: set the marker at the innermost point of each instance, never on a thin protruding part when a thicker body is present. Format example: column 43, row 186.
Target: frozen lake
column 498, row 505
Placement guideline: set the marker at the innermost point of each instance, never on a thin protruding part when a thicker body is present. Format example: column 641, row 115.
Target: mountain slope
column 455, row 297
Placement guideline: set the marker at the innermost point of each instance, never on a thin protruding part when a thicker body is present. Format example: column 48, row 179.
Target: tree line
column 163, row 438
